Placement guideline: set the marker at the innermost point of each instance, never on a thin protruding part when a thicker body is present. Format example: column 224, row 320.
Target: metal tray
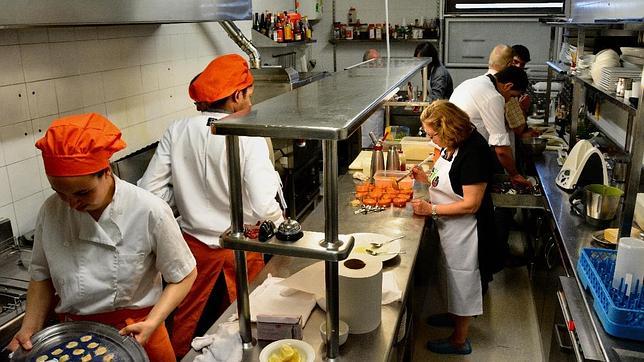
column 123, row 348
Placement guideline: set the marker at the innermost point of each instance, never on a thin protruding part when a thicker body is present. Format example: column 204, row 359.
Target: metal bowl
column 123, row 348
column 535, row 145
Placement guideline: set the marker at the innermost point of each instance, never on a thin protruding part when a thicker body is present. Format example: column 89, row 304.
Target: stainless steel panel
column 78, row 12
column 470, row 40
column 331, row 108
column 588, row 11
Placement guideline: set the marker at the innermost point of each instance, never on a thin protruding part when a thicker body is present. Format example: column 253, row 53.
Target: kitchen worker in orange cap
column 103, row 245
column 190, row 170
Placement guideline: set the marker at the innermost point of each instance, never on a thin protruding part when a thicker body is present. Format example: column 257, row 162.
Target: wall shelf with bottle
column 262, row 41
column 345, row 41
column 281, row 29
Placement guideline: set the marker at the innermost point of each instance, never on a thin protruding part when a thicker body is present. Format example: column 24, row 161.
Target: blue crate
column 621, row 316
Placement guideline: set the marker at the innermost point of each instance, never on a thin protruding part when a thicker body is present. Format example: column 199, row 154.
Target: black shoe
column 440, row 320
column 443, row 346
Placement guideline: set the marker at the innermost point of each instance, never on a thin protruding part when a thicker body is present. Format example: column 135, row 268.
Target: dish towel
column 223, row 346
column 274, row 299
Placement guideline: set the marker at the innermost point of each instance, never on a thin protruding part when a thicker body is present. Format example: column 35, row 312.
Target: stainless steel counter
column 373, row 346
column 576, row 235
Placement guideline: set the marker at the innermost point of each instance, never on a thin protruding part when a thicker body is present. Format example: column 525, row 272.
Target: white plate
column 306, row 349
column 364, row 240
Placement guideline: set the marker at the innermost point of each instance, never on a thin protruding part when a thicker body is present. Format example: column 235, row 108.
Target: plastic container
column 629, row 265
column 387, row 178
column 416, row 148
column 396, row 133
column 620, row 316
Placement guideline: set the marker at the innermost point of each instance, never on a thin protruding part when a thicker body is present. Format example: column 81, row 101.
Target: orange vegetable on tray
column 368, row 201
column 385, row 201
column 362, row 187
column 399, row 202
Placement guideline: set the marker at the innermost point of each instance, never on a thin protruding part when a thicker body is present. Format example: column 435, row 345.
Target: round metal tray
column 598, row 237
column 123, row 348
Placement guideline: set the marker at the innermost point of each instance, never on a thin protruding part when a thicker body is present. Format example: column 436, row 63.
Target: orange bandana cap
column 79, row 145
column 222, row 77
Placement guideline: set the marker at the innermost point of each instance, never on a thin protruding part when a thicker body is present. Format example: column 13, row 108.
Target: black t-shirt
column 473, row 164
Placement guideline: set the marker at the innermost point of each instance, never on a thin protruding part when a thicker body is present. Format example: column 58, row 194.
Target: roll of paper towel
column 360, row 293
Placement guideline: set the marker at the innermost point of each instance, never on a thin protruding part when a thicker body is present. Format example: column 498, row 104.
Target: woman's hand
column 141, row 330
column 22, row 339
column 421, row 207
column 419, row 175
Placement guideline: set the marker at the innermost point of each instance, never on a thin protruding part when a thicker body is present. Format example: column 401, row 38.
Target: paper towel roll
column 360, row 293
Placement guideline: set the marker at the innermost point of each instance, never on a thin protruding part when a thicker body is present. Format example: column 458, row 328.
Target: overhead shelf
column 262, row 41
column 609, row 129
column 611, row 97
column 344, row 41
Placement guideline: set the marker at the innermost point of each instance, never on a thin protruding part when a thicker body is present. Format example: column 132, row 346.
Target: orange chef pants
column 210, row 263
column 158, row 346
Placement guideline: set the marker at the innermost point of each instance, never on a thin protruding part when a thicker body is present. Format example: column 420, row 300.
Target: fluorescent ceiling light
column 510, row 5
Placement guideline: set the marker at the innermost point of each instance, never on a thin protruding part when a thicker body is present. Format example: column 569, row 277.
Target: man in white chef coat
column 190, row 169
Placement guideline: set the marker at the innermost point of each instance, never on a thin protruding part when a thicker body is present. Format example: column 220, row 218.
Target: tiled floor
column 507, row 330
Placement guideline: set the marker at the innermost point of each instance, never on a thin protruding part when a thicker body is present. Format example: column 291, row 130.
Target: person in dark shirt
column 440, row 82
column 461, row 207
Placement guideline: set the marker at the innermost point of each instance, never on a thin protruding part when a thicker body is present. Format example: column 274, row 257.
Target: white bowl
column 343, row 335
column 632, row 51
column 636, row 62
column 305, row 349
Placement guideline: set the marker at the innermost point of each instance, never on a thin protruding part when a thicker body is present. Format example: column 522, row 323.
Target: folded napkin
column 272, row 298
column 223, row 346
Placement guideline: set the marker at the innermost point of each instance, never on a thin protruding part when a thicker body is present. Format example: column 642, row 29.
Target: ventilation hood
column 19, row 13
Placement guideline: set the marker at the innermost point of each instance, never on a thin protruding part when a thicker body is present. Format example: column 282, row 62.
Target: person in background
column 461, row 207
column 102, row 245
column 440, row 81
column 520, row 59
column 190, row 170
column 370, row 54
column 500, row 58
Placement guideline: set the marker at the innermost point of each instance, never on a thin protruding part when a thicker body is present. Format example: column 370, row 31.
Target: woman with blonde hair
column 461, row 208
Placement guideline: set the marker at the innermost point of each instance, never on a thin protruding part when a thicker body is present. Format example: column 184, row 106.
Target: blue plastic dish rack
column 620, row 315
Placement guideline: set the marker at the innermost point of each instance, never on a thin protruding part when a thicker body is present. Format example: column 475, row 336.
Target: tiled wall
column 135, row 75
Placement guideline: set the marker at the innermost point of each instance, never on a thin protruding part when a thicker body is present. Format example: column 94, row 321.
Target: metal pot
column 535, row 145
column 598, row 205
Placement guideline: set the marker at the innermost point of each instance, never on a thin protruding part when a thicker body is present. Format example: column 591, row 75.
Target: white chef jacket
column 114, row 263
column 190, row 166
column 486, row 107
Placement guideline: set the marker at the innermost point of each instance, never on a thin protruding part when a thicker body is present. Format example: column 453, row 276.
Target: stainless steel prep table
column 374, row 346
column 576, row 235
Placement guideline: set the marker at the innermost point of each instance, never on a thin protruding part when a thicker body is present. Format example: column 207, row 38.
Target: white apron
column 459, row 242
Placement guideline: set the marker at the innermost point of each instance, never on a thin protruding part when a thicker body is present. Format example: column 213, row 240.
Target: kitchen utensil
column 584, row 165
column 306, row 351
column 377, row 159
column 362, row 242
column 289, row 230
column 380, row 244
column 124, row 348
column 376, row 253
column 598, row 204
column 393, row 161
column 534, row 145
column 429, row 158
column 343, row 332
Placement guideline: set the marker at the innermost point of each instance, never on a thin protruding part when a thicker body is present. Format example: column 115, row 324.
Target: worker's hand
column 531, row 132
column 524, row 102
column 419, row 175
column 520, row 180
column 141, row 330
column 421, row 207
column 21, row 339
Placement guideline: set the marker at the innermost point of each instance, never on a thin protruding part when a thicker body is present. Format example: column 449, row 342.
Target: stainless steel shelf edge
column 262, row 41
column 614, row 133
column 608, row 96
column 307, row 247
column 558, row 67
column 391, row 40
column 329, row 109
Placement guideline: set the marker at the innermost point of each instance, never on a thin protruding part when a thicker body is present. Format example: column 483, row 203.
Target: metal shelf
column 309, row 246
column 609, row 129
column 262, row 41
column 345, row 41
column 611, row 97
column 559, row 67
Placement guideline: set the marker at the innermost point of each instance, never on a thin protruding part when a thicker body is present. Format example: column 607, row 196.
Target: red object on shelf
column 571, row 326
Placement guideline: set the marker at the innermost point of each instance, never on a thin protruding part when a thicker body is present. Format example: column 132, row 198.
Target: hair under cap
column 79, row 145
column 221, row 78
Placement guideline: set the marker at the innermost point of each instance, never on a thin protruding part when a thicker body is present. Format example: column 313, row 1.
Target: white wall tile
column 148, row 49
column 64, row 59
column 153, row 104
column 27, row 212
column 69, row 93
column 2, row 163
column 122, row 83
column 6, row 212
column 32, row 35
column 90, row 56
column 150, row 77
column 170, row 47
column 14, row 106
column 40, row 125
column 166, row 74
column 97, row 108
column 44, row 182
column 42, row 98
column 120, row 53
column 60, row 34
column 36, row 61
column 10, row 65
column 86, row 33
column 22, row 180
column 92, row 88
column 8, row 37
column 17, row 142
column 5, row 190
column 135, row 109
column 117, row 113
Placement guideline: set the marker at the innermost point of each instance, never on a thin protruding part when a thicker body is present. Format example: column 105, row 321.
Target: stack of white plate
column 632, row 58
column 604, row 59
column 610, row 75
